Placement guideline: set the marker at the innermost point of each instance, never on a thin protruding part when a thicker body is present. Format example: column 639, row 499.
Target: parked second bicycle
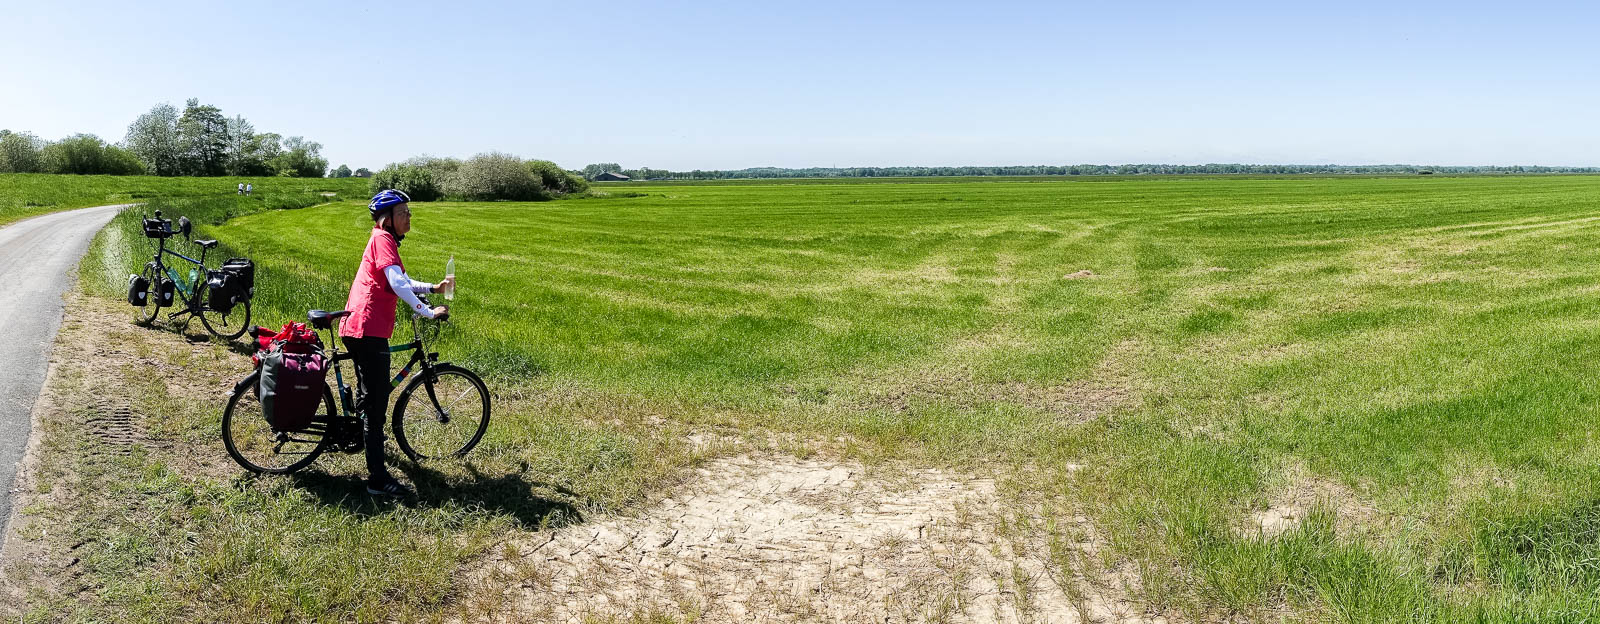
column 220, row 297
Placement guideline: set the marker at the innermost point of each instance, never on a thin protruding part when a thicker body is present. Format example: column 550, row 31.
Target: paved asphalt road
column 36, row 256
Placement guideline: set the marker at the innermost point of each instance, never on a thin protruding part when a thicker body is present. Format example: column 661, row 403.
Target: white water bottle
column 449, row 274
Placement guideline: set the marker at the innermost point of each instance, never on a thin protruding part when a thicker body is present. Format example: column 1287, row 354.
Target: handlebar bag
column 158, row 228
column 291, row 388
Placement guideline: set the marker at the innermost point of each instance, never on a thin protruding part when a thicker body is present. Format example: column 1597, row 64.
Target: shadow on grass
column 511, row 494
column 192, row 331
column 245, row 345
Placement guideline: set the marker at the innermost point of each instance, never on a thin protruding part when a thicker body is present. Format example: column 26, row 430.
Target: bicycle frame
column 419, row 355
column 189, row 292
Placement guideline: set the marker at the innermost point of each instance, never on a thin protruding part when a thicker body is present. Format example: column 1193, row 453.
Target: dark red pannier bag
column 293, row 370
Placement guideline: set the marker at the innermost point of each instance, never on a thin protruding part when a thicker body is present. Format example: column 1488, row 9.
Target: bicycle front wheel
column 448, row 412
column 146, row 313
column 255, row 446
column 227, row 325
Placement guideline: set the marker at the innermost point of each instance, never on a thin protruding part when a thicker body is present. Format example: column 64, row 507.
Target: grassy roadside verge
column 24, row 195
column 135, row 510
column 139, row 512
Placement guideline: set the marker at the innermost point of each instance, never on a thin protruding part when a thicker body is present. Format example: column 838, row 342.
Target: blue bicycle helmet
column 386, row 200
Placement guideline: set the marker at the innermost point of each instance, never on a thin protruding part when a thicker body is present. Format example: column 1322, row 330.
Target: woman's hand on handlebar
column 441, row 313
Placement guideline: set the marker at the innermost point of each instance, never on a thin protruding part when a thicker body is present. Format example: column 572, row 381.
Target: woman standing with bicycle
column 379, row 284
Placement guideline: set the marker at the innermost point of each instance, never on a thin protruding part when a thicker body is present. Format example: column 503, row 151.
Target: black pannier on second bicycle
column 138, row 289
column 230, row 285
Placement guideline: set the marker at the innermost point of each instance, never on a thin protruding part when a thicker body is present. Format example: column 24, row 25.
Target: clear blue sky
column 732, row 85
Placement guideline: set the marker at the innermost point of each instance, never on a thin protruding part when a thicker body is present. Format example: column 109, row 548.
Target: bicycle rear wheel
column 146, row 313
column 449, row 412
column 255, row 446
column 227, row 325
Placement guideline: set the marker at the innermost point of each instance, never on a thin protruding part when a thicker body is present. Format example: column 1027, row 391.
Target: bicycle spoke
column 453, row 402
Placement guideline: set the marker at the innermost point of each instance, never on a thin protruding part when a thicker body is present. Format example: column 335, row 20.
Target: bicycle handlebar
column 442, row 317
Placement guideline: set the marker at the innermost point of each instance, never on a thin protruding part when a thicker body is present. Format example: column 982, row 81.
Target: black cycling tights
column 371, row 356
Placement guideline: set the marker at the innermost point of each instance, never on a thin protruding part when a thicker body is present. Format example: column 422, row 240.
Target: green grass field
column 1413, row 359
column 24, row 195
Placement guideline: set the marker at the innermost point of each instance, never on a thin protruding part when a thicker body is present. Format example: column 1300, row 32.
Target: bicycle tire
column 254, row 422
column 244, row 323
column 146, row 314
column 423, row 433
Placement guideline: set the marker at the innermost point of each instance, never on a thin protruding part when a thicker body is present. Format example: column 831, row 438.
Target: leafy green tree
column 248, row 152
column 494, row 175
column 590, row 171
column 441, row 168
column 646, row 173
column 86, row 154
column 343, row 171
column 79, row 153
column 267, row 146
column 203, row 137
column 363, row 173
column 121, row 161
column 300, row 159
column 416, row 182
column 554, row 179
column 19, row 152
column 153, row 137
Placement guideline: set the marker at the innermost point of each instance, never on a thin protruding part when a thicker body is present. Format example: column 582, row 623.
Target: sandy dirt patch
column 1305, row 493
column 781, row 539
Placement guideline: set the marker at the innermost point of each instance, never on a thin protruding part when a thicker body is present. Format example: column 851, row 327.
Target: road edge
column 24, row 483
column 15, row 490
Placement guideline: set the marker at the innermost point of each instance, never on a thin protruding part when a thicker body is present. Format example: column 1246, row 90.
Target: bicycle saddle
column 206, row 244
column 323, row 319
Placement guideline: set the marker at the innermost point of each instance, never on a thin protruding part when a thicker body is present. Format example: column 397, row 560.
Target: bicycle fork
column 439, row 410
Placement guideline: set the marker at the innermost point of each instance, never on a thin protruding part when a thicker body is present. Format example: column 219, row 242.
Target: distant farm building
column 611, row 176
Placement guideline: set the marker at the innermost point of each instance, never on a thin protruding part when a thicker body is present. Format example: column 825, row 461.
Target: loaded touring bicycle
column 276, row 427
column 220, row 297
